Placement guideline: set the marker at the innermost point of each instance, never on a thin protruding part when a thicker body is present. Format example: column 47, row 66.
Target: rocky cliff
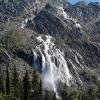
column 59, row 40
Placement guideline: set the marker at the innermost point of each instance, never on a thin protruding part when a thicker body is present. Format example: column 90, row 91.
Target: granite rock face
column 15, row 8
column 88, row 15
column 54, row 21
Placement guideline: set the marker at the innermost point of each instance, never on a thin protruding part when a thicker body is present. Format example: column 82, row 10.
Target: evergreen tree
column 35, row 81
column 64, row 91
column 15, row 83
column 36, row 93
column 7, row 81
column 2, row 88
column 64, row 95
column 92, row 92
column 21, row 89
column 26, row 86
column 40, row 97
column 49, row 95
column 80, row 96
column 73, row 95
column 54, row 97
column 98, row 92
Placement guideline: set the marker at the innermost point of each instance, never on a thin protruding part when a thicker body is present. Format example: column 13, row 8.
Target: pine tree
column 73, row 95
column 64, row 91
column 64, row 95
column 49, row 95
column 35, row 81
column 80, row 96
column 40, row 97
column 98, row 92
column 92, row 92
column 36, row 88
column 2, row 88
column 54, row 97
column 15, row 83
column 7, row 81
column 21, row 89
column 26, row 86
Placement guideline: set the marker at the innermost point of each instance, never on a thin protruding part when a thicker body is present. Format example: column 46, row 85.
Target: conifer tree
column 35, row 81
column 73, row 95
column 64, row 95
column 15, row 83
column 26, row 86
column 40, row 97
column 64, row 91
column 49, row 95
column 7, row 81
column 54, row 97
column 2, row 88
column 92, row 92
column 36, row 91
column 98, row 92
column 80, row 96
column 21, row 89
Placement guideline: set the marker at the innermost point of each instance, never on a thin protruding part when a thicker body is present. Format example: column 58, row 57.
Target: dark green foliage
column 21, row 90
column 54, row 97
column 73, row 95
column 30, row 88
column 36, row 90
column 64, row 94
column 40, row 91
column 13, row 39
column 98, row 93
column 15, row 83
column 92, row 92
column 26, row 86
column 68, row 93
column 2, row 88
column 80, row 96
column 35, row 81
column 49, row 95
column 7, row 81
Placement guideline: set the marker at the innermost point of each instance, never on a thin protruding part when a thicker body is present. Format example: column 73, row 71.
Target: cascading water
column 61, row 12
column 54, row 65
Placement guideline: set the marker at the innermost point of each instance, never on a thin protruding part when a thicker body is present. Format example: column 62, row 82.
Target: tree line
column 12, row 87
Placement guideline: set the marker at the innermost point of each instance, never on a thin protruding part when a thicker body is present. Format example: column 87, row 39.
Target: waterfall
column 61, row 12
column 54, row 65
column 23, row 24
column 8, row 55
column 75, row 68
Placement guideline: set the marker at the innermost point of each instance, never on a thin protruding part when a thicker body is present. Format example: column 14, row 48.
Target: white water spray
column 61, row 12
column 54, row 65
column 23, row 24
column 7, row 55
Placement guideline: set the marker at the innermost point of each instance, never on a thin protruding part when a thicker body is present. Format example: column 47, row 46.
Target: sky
column 74, row 1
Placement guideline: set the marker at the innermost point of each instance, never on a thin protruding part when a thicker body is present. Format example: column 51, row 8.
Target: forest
column 12, row 87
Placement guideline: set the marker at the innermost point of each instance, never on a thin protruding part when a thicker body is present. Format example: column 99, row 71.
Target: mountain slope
column 54, row 40
column 87, row 15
